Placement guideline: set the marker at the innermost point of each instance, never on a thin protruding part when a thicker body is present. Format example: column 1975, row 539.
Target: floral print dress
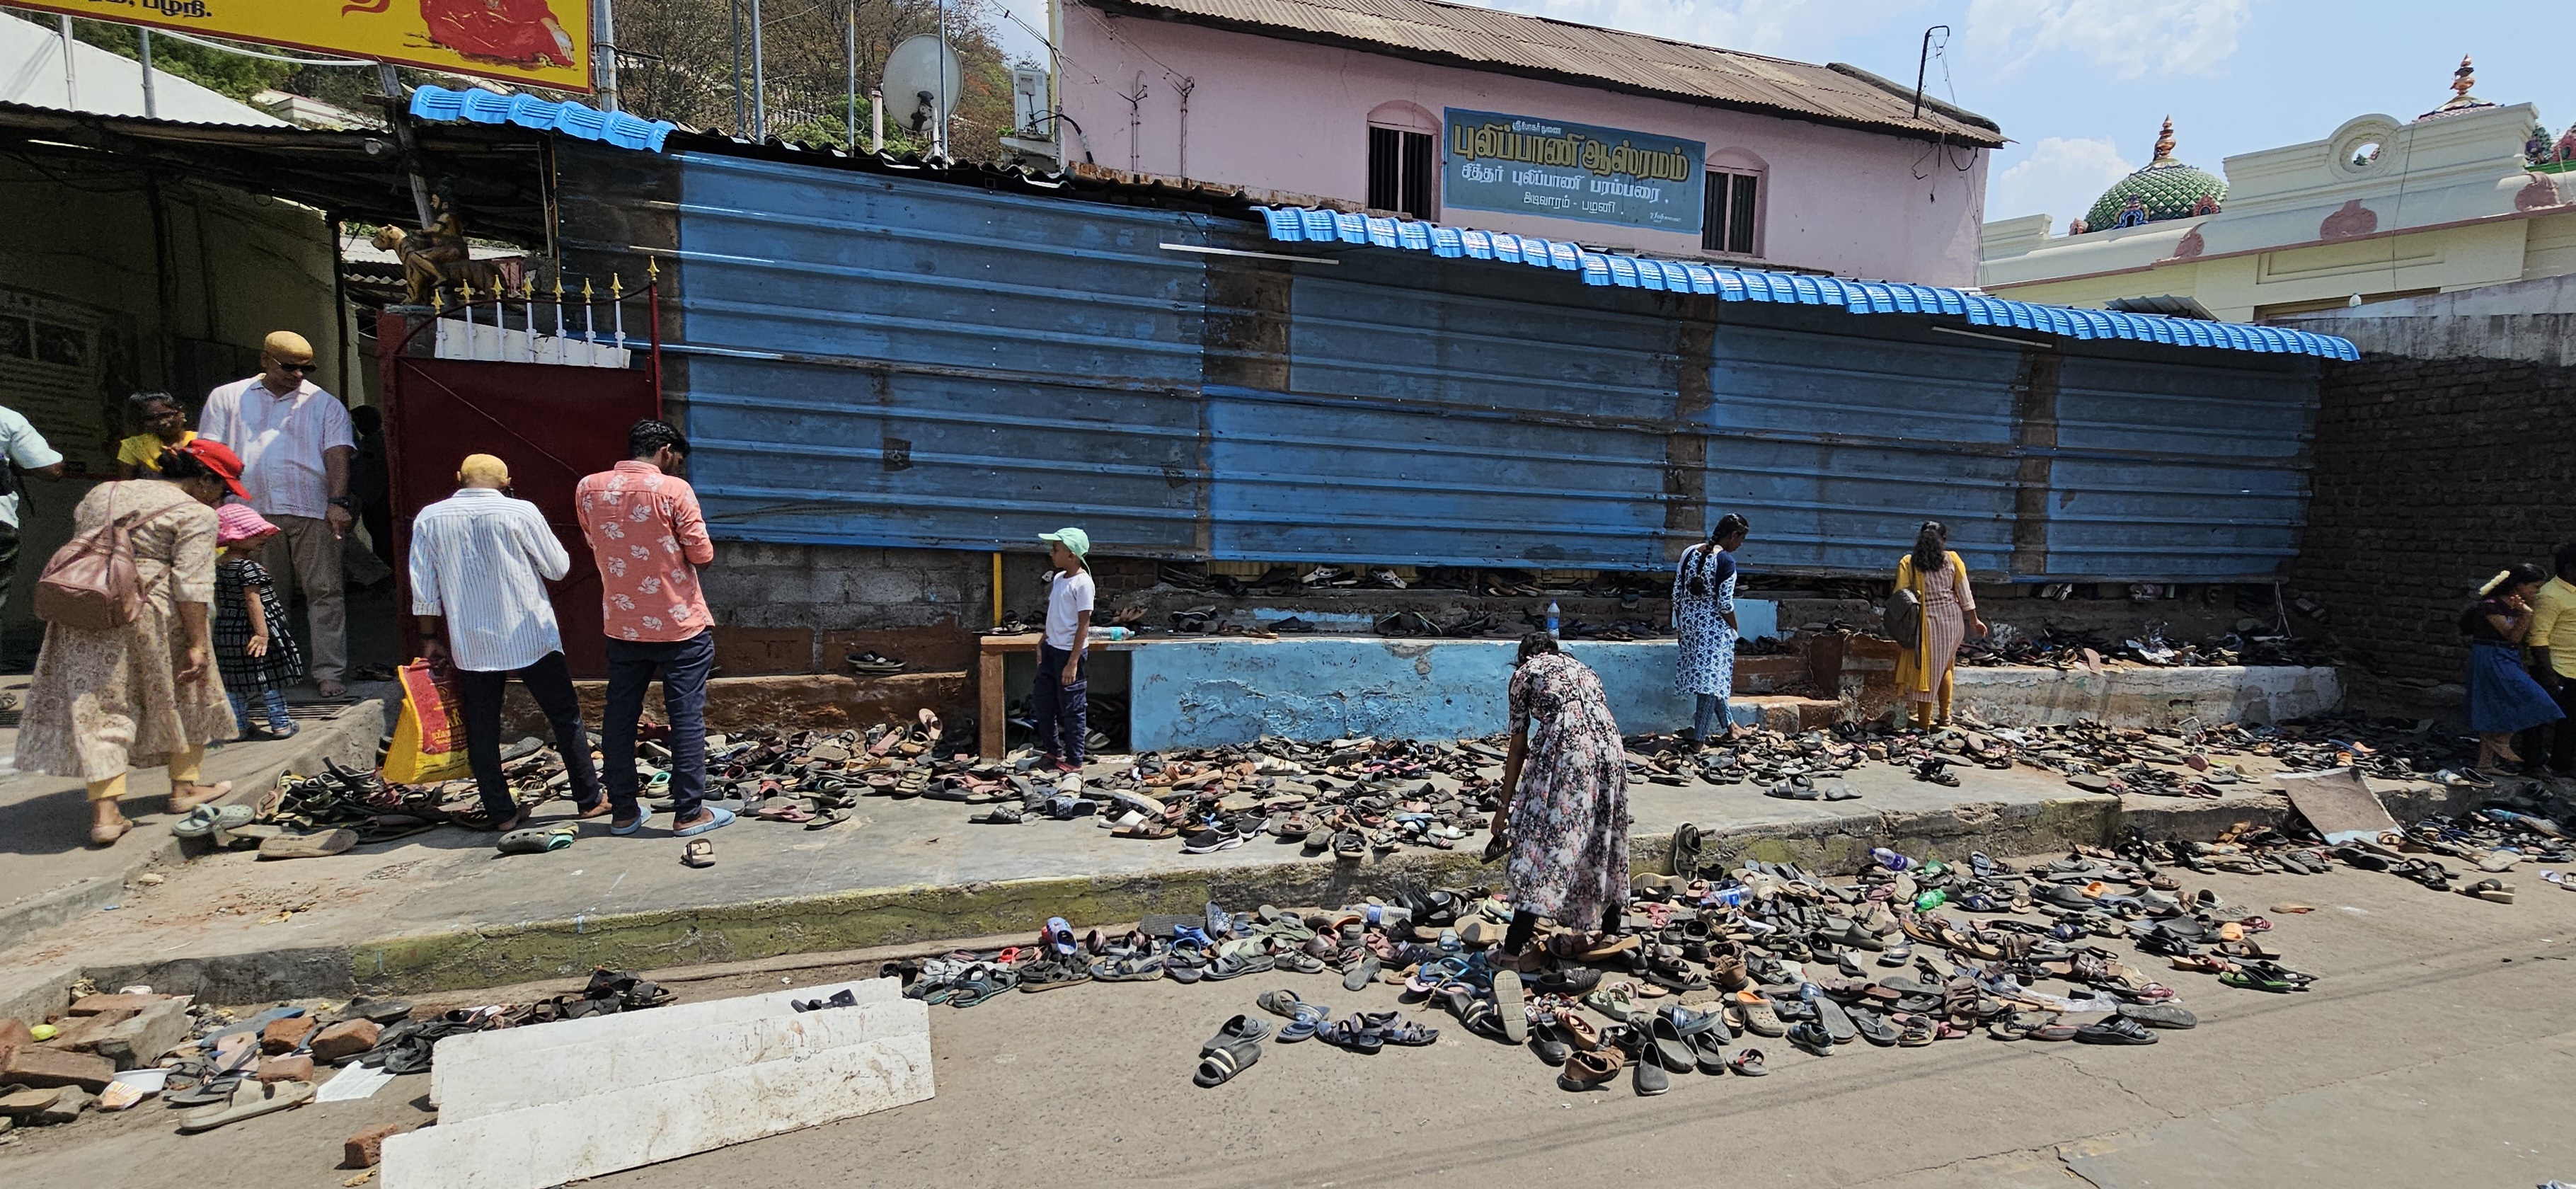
column 1569, row 823
column 1707, row 656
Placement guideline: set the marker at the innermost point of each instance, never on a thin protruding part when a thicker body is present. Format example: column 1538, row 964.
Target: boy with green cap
column 1057, row 701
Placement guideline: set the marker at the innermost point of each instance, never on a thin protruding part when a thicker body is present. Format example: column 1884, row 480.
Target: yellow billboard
column 543, row 43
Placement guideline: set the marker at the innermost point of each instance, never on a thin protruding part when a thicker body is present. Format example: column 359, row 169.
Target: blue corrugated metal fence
column 884, row 361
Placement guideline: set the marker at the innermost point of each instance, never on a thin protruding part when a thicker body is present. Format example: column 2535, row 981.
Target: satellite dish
column 922, row 82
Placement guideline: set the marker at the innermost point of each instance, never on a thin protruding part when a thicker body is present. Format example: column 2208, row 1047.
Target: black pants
column 549, row 681
column 1061, row 712
column 8, row 576
column 2560, row 755
column 1524, row 922
column 682, row 666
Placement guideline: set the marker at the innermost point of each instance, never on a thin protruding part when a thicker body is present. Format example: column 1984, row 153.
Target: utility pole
column 71, row 78
column 603, row 52
column 143, row 43
column 850, row 121
column 733, row 11
column 759, row 81
column 395, row 118
column 939, row 138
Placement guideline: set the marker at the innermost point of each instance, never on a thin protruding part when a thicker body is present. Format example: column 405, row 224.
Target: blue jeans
column 272, row 707
column 682, row 666
column 1060, row 711
column 1710, row 714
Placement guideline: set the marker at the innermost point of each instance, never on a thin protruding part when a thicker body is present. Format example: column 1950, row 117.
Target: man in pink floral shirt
column 649, row 539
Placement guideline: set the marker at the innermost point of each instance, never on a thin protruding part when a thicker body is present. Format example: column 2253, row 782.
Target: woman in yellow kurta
column 164, row 422
column 1940, row 580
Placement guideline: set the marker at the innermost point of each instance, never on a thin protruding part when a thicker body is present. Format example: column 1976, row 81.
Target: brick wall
column 802, row 608
column 2431, row 475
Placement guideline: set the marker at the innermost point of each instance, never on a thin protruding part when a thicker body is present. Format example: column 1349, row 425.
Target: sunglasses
column 298, row 368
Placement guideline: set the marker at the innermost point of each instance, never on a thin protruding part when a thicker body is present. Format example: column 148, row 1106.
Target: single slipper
column 718, row 819
column 206, row 819
column 250, row 1099
column 1362, row 973
column 1235, row 1031
column 1309, row 1019
column 317, row 845
column 2118, row 1030
column 1748, row 1062
column 1219, row 1064
column 699, row 852
column 2494, row 890
column 1510, row 1005
column 535, row 841
column 1280, row 1002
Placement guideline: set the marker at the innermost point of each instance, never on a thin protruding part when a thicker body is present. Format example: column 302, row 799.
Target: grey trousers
column 305, row 548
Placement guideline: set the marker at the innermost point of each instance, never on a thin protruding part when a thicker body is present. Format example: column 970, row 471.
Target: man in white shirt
column 26, row 453
column 480, row 561
column 295, row 442
column 1059, row 701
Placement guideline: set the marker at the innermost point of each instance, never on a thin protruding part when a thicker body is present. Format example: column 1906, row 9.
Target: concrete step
column 1790, row 713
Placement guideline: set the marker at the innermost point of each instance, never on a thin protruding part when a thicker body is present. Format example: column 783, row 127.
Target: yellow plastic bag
column 429, row 741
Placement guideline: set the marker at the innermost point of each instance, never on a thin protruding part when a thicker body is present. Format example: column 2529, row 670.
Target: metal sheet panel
column 877, row 361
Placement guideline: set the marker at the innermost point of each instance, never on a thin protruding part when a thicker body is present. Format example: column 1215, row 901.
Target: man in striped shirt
column 480, row 561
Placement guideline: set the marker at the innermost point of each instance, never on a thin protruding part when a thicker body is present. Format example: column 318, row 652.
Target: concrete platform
column 49, row 874
column 2131, row 695
column 444, row 911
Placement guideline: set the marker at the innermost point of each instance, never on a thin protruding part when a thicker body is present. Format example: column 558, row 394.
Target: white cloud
column 2128, row 39
column 2060, row 178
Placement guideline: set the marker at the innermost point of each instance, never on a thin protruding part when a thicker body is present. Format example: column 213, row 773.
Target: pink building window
column 1732, row 213
column 1403, row 160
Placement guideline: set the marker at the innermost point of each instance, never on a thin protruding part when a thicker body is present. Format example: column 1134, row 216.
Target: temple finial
column 2464, row 78
column 2165, row 141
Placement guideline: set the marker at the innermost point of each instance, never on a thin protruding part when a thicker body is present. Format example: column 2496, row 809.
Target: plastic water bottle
column 1117, row 633
column 1731, row 897
column 1931, row 900
column 1890, row 859
column 1551, row 619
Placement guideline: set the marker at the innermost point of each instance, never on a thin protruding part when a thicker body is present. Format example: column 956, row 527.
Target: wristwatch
column 342, row 503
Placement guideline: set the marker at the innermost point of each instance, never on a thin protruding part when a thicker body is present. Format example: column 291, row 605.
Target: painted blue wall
column 1233, row 690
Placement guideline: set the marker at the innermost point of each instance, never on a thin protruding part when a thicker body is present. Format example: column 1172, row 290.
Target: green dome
column 2165, row 189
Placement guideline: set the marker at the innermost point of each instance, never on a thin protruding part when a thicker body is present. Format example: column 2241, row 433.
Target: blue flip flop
column 1306, row 1020
column 722, row 818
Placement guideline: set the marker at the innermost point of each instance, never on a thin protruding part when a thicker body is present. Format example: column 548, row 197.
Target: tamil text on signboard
column 543, row 43
column 1497, row 162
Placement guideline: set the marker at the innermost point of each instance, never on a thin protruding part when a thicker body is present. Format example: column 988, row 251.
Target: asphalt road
column 2437, row 1051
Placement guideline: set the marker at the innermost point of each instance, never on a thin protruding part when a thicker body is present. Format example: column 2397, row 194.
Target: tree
column 679, row 65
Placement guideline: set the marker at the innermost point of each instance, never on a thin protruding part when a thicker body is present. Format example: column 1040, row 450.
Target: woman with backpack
column 104, row 698
column 1704, row 616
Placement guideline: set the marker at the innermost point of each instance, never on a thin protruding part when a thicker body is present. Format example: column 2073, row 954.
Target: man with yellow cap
column 480, row 561
column 295, row 442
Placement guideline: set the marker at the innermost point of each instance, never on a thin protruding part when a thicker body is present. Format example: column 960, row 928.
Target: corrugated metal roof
column 1310, row 225
column 1482, row 38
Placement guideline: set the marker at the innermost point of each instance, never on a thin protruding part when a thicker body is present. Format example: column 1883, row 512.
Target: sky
column 2081, row 85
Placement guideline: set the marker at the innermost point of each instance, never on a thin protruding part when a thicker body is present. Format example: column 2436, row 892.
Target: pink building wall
column 1290, row 116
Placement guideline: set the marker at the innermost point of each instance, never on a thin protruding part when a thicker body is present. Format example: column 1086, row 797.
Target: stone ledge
column 791, row 701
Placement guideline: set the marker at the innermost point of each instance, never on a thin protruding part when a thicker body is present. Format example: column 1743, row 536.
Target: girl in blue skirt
column 2503, row 699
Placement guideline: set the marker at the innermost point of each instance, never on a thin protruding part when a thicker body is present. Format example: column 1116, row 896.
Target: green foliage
column 232, row 75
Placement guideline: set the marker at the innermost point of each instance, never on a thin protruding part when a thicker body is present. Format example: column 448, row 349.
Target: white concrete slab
column 480, row 1082
column 2139, row 696
column 519, row 1043
column 588, row 1137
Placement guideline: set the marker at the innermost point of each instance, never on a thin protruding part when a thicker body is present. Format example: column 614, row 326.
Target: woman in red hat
column 148, row 691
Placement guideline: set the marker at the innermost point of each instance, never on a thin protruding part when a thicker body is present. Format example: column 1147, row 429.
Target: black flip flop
column 1219, row 1064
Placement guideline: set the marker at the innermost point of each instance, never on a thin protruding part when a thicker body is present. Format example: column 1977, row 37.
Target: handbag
column 1904, row 612
column 429, row 738
column 92, row 582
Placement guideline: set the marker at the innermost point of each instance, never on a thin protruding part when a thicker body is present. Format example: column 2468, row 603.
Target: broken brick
column 366, row 1148
column 36, row 1065
column 346, row 1039
column 81, row 1033
column 298, row 1068
column 284, row 1036
column 91, row 1005
column 13, row 1032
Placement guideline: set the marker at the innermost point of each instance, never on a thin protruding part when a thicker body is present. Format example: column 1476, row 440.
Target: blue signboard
column 1524, row 166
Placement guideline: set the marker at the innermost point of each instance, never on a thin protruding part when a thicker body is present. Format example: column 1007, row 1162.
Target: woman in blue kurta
column 1704, row 615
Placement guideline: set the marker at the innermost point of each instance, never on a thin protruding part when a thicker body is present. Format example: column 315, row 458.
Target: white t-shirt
column 1067, row 598
column 27, row 451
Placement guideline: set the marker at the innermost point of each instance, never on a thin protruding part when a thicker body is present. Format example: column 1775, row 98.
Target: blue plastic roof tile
column 1295, row 224
column 439, row 104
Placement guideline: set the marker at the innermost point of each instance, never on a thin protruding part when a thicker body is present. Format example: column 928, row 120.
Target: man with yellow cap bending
column 480, row 561
column 295, row 442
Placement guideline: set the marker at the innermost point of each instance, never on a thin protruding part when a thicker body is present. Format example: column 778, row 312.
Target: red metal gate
column 551, row 422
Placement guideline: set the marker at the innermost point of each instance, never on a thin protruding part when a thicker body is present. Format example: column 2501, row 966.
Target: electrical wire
column 230, row 49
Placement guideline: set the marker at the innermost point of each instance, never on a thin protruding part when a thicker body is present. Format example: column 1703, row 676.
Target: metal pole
column 759, row 81
column 733, row 11
column 939, row 138
column 143, row 42
column 850, row 121
column 876, row 120
column 402, row 138
column 71, row 79
column 603, row 52
column 1921, row 63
